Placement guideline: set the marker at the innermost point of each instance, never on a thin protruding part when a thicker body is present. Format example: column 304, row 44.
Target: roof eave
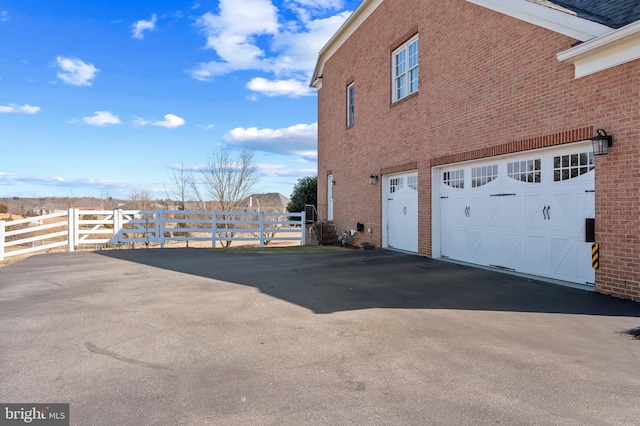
column 546, row 17
column 352, row 23
column 612, row 49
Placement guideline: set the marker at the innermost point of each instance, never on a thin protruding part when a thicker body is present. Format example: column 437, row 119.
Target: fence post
column 214, row 228
column 71, row 225
column 2, row 228
column 117, row 225
column 76, row 221
column 160, row 220
column 261, row 215
column 303, row 228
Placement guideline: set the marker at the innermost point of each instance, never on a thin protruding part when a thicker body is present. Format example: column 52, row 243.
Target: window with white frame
column 405, row 69
column 351, row 98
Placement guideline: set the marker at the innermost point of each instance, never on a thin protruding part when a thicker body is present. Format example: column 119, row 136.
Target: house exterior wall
column 489, row 84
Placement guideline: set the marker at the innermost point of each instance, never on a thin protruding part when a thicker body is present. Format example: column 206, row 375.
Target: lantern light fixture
column 601, row 142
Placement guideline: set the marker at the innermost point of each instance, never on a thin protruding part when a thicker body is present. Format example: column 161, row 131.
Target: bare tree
column 141, row 200
column 229, row 179
column 183, row 190
column 183, row 187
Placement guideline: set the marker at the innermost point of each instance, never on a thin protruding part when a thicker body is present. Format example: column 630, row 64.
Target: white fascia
column 608, row 51
column 353, row 22
column 563, row 22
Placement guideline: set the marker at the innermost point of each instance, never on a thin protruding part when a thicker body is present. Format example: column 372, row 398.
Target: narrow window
column 405, row 69
column 351, row 98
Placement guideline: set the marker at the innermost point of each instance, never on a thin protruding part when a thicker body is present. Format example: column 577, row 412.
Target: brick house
column 462, row 130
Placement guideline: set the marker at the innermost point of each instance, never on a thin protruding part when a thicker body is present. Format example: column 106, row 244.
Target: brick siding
column 489, row 84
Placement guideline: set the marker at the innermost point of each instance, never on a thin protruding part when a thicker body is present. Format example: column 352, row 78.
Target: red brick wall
column 489, row 84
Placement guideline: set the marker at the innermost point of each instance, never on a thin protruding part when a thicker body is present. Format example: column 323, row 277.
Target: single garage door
column 522, row 212
column 401, row 211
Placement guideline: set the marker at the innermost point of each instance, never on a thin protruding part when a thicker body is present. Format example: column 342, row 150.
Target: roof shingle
column 612, row 13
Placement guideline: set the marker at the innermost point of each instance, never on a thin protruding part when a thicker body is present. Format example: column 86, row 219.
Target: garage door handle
column 544, row 212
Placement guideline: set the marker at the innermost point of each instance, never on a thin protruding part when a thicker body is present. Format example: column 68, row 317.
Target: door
column 524, row 212
column 401, row 194
column 330, row 197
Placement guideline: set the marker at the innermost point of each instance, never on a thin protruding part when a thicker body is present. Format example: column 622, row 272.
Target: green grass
column 281, row 250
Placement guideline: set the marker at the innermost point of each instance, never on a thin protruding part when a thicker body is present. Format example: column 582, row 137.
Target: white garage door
column 401, row 196
column 523, row 212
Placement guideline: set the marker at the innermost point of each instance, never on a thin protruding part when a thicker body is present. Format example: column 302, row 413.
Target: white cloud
column 250, row 35
column 232, row 34
column 141, row 26
column 4, row 16
column 101, row 118
column 301, row 139
column 76, row 72
column 139, row 122
column 293, row 88
column 170, row 121
column 24, row 109
column 14, row 179
column 299, row 48
column 279, row 170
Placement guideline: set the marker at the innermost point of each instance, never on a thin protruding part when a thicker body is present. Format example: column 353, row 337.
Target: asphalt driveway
column 196, row 337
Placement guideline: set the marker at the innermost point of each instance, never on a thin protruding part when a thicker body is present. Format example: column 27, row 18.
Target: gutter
column 607, row 51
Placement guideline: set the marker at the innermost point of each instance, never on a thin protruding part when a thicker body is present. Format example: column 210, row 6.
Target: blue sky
column 104, row 98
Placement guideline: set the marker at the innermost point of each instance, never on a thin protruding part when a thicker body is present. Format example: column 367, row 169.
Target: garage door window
column 412, row 182
column 395, row 184
column 525, row 171
column 567, row 167
column 455, row 178
column 483, row 175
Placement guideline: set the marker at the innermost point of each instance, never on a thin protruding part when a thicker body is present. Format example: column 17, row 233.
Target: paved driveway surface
column 194, row 337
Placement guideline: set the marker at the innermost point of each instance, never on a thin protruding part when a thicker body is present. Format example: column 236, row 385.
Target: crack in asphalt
column 96, row 350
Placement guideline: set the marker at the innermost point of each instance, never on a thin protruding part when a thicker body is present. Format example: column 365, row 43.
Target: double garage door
column 523, row 212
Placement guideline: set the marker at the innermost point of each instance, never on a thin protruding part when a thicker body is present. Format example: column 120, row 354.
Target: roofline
column 524, row 10
column 610, row 50
column 353, row 22
column 546, row 17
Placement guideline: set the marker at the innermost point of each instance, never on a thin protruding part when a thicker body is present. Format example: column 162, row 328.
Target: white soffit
column 615, row 48
column 362, row 12
column 547, row 17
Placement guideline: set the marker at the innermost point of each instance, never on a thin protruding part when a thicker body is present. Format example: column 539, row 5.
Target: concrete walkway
column 196, row 337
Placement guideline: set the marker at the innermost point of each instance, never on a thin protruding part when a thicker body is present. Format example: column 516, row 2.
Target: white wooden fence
column 76, row 228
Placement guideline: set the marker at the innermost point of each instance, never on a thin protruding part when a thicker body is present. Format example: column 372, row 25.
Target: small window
column 529, row 171
column 412, row 182
column 483, row 175
column 454, row 179
column 567, row 167
column 395, row 184
column 351, row 98
column 405, row 69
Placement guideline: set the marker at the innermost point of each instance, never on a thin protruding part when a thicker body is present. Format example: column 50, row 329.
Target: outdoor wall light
column 373, row 179
column 601, row 142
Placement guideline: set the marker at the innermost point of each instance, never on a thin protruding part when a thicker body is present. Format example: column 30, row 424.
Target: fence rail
column 76, row 228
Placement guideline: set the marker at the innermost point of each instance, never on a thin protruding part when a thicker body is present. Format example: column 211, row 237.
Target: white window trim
column 351, row 106
column 404, row 46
